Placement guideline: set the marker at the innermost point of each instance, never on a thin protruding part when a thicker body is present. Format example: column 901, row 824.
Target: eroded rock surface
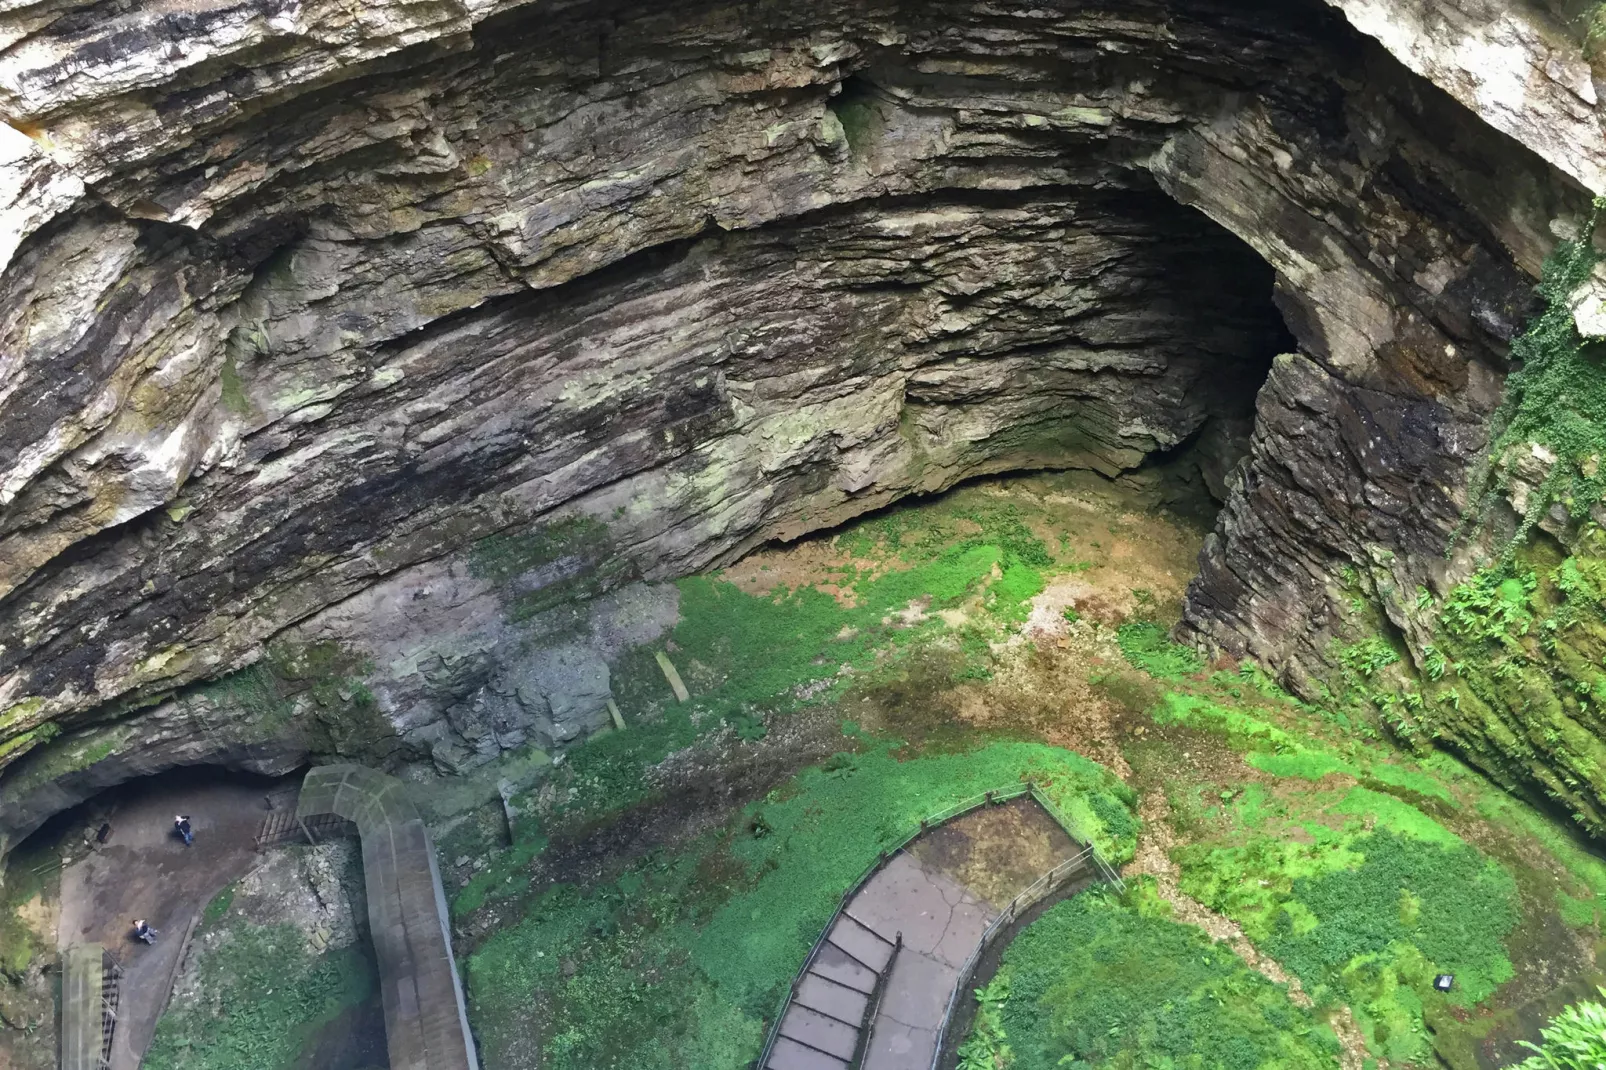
column 368, row 362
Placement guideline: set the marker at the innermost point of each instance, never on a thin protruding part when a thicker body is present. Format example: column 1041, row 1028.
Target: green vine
column 1556, row 397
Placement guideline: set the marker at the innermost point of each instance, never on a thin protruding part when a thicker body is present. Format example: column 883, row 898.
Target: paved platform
column 143, row 870
column 875, row 995
column 426, row 1021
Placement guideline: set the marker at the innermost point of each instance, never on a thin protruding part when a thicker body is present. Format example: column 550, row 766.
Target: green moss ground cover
column 1365, row 871
column 679, row 962
column 1146, row 646
column 265, row 993
column 19, row 943
column 748, row 657
column 1333, row 868
column 1514, row 674
column 1364, row 868
column 1099, row 980
column 1366, row 918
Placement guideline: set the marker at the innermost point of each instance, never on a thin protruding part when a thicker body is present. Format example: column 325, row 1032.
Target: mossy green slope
column 266, row 993
column 1104, row 981
column 1349, row 863
column 1514, row 677
column 678, row 963
column 747, row 657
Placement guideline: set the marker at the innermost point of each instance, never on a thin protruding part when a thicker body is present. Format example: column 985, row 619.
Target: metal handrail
column 872, row 1008
column 1000, row 795
column 1039, row 890
column 1106, row 871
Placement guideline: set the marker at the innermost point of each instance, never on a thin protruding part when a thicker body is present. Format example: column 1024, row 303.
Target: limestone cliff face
column 399, row 342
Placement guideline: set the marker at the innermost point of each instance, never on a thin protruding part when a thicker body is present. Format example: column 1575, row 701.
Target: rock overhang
column 302, row 309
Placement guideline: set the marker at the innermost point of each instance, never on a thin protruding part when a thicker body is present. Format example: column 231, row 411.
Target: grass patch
column 1101, row 981
column 749, row 657
column 504, row 876
column 679, row 962
column 218, row 907
column 268, row 992
column 1147, row 647
column 1365, row 898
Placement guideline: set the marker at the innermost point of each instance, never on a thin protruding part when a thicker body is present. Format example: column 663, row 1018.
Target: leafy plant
column 1574, row 1040
column 1556, row 399
column 985, row 1047
column 1491, row 606
column 1368, row 657
column 1147, row 647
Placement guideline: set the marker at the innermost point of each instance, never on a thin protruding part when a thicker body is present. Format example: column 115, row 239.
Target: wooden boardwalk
column 81, row 1021
column 426, row 1023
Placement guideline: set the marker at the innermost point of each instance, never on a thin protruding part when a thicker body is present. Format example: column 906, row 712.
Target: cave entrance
column 90, row 871
column 1117, row 331
column 1130, row 338
column 1208, row 318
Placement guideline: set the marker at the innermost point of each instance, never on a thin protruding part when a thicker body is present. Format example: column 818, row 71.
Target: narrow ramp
column 82, row 1028
column 90, row 986
column 426, row 1021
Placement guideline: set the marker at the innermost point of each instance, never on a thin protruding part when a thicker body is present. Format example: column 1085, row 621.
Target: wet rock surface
column 372, row 368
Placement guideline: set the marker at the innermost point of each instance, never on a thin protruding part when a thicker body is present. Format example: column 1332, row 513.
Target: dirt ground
column 998, row 851
column 1060, row 680
column 144, row 870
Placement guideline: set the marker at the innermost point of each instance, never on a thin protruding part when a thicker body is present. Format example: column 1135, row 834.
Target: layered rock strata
column 362, row 362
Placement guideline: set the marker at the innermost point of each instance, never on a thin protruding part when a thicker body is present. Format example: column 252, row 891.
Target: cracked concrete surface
column 927, row 895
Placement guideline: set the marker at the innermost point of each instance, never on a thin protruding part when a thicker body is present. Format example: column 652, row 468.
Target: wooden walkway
column 426, row 1024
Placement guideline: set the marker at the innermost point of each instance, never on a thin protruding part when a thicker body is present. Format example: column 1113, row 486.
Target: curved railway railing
column 1041, row 889
column 1088, row 854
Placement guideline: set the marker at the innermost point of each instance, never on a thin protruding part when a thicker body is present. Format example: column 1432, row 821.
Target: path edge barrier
column 410, row 932
column 872, row 1008
column 930, row 821
column 1040, row 889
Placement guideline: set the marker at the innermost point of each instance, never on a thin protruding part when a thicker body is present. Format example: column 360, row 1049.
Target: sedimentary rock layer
column 373, row 338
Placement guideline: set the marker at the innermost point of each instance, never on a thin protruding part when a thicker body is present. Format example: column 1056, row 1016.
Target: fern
column 1574, row 1040
column 985, row 1048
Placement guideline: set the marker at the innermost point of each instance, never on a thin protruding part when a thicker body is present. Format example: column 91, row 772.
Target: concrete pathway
column 905, row 936
column 82, row 1017
column 144, row 871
